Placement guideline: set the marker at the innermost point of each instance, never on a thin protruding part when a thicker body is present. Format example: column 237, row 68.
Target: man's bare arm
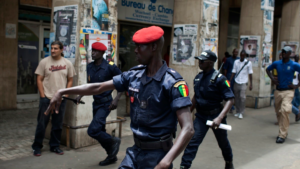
column 39, row 81
column 87, row 89
column 187, row 131
column 193, row 104
column 232, row 75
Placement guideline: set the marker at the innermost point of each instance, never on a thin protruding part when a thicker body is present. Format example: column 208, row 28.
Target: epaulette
column 138, row 67
column 111, row 63
column 175, row 74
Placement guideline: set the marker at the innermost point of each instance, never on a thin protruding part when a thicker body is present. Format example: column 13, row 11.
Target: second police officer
column 98, row 71
column 211, row 88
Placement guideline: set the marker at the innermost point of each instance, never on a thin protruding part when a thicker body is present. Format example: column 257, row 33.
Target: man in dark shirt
column 210, row 91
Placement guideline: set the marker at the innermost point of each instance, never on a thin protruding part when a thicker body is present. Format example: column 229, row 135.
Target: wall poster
column 251, row 45
column 210, row 44
column 100, row 15
column 267, row 5
column 184, row 44
column 86, row 14
column 69, row 48
column 10, row 30
column 210, row 28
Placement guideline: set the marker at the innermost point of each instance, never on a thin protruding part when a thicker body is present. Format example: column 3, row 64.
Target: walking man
column 242, row 68
column 210, row 90
column 284, row 90
column 228, row 66
column 100, row 71
column 53, row 73
column 159, row 98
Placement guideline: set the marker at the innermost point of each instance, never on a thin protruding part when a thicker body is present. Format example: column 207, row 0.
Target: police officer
column 211, row 88
column 100, row 71
column 158, row 97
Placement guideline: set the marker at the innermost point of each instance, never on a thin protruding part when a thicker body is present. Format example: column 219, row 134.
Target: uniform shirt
column 228, row 65
column 209, row 95
column 153, row 101
column 243, row 75
column 285, row 72
column 102, row 73
column 55, row 73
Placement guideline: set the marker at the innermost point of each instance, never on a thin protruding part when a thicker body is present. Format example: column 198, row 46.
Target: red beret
column 99, row 46
column 148, row 35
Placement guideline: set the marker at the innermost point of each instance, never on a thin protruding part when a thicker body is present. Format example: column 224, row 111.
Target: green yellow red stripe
column 227, row 83
column 184, row 90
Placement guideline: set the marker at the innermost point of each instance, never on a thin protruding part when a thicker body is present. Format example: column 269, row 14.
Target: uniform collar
column 103, row 65
column 208, row 73
column 158, row 75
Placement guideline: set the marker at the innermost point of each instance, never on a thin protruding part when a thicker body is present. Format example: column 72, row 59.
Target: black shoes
column 57, row 150
column 228, row 165
column 114, row 149
column 280, row 140
column 37, row 152
column 112, row 152
column 183, row 167
column 108, row 160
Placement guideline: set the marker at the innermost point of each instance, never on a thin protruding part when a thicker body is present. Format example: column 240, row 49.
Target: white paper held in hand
column 222, row 126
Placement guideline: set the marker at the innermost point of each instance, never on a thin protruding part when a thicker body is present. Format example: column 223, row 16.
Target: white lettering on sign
column 149, row 11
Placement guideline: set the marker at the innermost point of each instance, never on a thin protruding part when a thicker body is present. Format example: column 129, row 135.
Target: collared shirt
column 243, row 75
column 102, row 73
column 285, row 72
column 209, row 95
column 228, row 65
column 153, row 101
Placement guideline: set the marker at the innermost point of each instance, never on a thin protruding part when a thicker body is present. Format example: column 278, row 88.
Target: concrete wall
column 83, row 114
column 251, row 23
column 189, row 12
column 8, row 55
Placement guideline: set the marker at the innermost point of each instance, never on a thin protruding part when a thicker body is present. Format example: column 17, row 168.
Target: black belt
column 284, row 89
column 210, row 112
column 103, row 99
column 165, row 143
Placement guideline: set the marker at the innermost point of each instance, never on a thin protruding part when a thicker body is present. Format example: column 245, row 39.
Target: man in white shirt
column 242, row 68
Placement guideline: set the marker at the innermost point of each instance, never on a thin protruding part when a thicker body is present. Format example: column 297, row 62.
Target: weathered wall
column 83, row 114
column 40, row 3
column 223, row 31
column 290, row 22
column 8, row 55
column 189, row 12
column 251, row 23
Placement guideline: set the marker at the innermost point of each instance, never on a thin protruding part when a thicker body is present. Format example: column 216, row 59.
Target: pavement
column 252, row 140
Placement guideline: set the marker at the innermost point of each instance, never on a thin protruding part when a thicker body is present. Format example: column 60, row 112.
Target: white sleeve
column 234, row 67
column 250, row 71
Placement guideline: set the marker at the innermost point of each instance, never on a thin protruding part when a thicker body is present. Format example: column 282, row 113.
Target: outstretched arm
column 187, row 131
column 87, row 89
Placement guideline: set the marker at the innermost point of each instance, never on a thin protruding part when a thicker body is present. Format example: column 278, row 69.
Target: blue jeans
column 43, row 120
column 137, row 158
column 296, row 102
column 201, row 129
column 97, row 129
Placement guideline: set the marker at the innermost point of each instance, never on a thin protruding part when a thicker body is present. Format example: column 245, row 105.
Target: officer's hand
column 54, row 103
column 250, row 87
column 113, row 105
column 216, row 123
column 78, row 98
column 162, row 165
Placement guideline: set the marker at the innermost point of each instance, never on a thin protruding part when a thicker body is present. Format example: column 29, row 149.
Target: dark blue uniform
column 101, row 73
column 208, row 97
column 153, row 105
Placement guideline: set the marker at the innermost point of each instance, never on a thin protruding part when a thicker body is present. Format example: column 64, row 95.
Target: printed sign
column 158, row 12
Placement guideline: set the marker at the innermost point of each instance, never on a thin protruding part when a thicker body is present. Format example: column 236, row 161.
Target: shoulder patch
column 184, row 90
column 179, row 83
column 111, row 63
column 138, row 67
column 175, row 74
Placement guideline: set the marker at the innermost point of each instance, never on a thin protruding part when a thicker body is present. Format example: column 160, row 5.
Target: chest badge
column 143, row 104
column 133, row 89
column 288, row 68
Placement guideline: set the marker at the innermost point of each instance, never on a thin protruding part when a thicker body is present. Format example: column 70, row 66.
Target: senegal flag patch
column 184, row 90
column 227, row 83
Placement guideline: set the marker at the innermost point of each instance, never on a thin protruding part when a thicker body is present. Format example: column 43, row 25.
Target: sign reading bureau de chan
column 153, row 12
